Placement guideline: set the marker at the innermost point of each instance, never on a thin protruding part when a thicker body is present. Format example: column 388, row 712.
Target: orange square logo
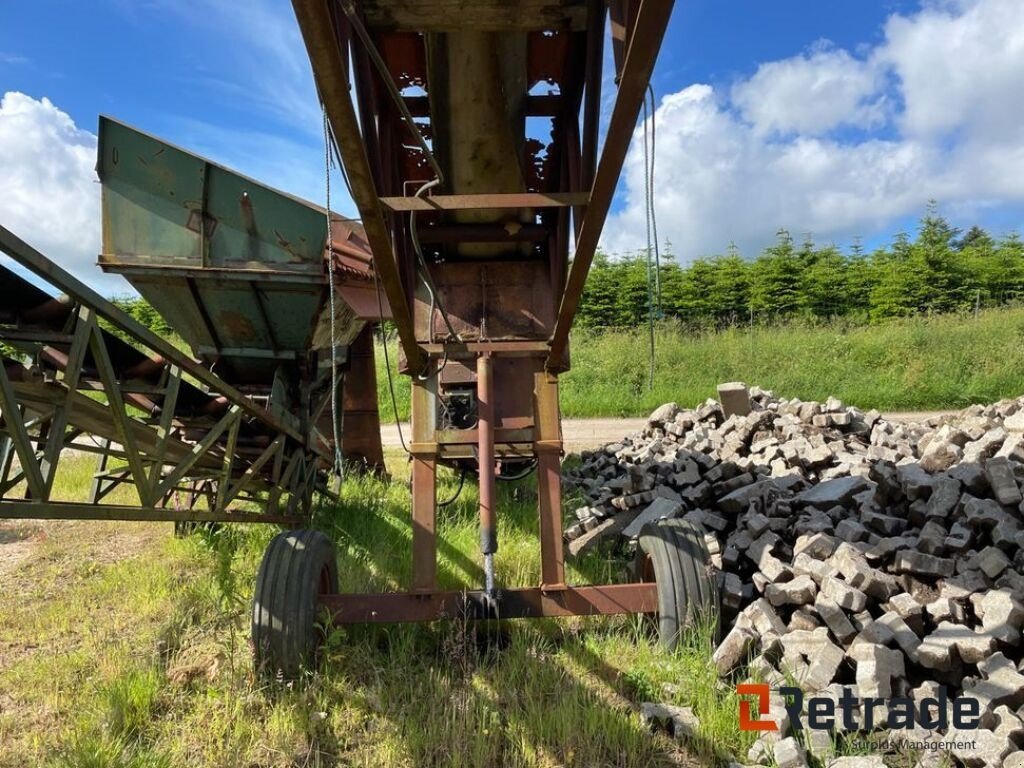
column 747, row 721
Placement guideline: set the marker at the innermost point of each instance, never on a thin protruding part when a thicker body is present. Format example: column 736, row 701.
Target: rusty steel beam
column 61, row 510
column 642, row 51
column 592, row 93
column 424, row 483
column 485, row 461
column 548, row 449
column 484, row 201
column 518, row 603
column 332, row 80
column 536, row 105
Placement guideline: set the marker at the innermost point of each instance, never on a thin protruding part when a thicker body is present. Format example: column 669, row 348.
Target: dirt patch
column 24, row 543
column 18, row 541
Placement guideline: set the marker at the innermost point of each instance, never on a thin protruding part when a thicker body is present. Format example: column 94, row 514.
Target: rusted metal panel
column 359, row 417
column 164, row 205
column 521, row 603
column 236, row 268
column 489, row 301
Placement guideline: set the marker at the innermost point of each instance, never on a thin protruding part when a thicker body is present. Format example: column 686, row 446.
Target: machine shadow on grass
column 460, row 692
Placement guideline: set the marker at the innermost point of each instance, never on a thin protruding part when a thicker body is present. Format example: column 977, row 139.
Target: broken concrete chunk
column 830, row 493
column 835, row 619
column 733, row 649
column 923, row 565
column 1002, row 683
column 857, row 761
column 937, row 649
column 1004, row 484
column 664, row 413
column 818, row 545
column 735, row 398
column 799, row 591
column 679, row 722
column 877, row 666
column 1002, row 615
column 844, row 595
column 811, row 658
column 789, row 753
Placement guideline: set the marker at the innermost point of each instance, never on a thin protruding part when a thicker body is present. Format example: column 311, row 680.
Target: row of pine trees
column 940, row 270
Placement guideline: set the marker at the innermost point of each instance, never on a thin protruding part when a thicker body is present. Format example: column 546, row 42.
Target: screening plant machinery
column 468, row 139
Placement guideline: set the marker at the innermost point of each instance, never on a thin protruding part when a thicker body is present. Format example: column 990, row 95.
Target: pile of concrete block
column 851, row 551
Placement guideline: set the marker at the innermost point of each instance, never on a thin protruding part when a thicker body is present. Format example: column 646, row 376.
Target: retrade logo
column 854, row 712
column 747, row 721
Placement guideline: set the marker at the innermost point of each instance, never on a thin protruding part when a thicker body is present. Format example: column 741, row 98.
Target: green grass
column 124, row 647
column 925, row 363
column 128, row 647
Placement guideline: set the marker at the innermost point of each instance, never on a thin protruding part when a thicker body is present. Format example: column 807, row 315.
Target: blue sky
column 838, row 118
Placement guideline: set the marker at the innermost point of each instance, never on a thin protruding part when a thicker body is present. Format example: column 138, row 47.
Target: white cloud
column 960, row 65
column 811, row 94
column 51, row 196
column 839, row 145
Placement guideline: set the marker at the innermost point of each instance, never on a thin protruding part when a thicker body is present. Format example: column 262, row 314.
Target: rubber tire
column 297, row 568
column 678, row 559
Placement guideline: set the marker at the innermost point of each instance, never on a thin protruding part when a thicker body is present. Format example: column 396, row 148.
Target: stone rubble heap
column 850, row 551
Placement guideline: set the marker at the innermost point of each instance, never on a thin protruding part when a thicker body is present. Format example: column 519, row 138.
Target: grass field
column 947, row 361
column 121, row 645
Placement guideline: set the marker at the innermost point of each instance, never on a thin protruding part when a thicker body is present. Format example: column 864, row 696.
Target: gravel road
column 580, row 434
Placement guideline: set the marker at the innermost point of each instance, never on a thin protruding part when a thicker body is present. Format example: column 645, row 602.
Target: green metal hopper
column 237, row 268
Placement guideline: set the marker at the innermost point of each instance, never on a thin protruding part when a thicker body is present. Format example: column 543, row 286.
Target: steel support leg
column 424, row 533
column 424, row 484
column 548, row 446
column 488, row 513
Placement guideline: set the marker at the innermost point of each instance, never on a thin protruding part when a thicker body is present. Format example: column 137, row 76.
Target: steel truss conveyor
column 186, row 444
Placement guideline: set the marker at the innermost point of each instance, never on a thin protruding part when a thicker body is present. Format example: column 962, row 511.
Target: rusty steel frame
column 331, row 68
column 643, row 35
column 473, row 605
column 165, row 448
column 510, row 225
